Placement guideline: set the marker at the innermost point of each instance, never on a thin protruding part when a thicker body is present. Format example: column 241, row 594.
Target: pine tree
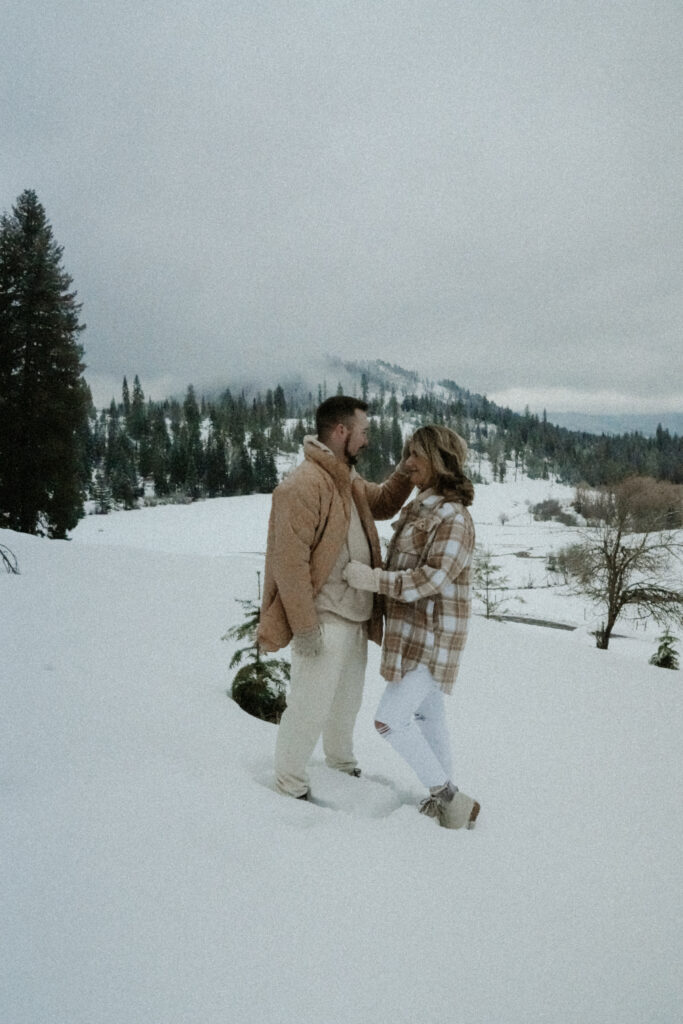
column 489, row 582
column 280, row 403
column 195, row 454
column 265, row 470
column 299, row 432
column 216, row 463
column 101, row 494
column 260, row 685
column 666, row 655
column 241, row 479
column 192, row 414
column 160, row 447
column 179, row 456
column 121, row 474
column 137, row 413
column 44, row 400
column 125, row 396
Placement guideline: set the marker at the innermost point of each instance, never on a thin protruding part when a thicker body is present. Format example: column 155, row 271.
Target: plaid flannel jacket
column 427, row 588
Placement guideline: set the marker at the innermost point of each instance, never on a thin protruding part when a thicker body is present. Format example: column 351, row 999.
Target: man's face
column 357, row 436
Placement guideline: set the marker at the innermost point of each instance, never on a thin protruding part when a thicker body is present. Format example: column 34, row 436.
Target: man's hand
column 308, row 645
column 362, row 577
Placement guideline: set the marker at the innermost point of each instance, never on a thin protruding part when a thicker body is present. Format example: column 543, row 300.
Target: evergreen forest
column 57, row 451
column 232, row 443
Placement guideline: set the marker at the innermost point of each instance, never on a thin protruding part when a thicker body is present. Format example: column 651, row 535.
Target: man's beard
column 351, row 460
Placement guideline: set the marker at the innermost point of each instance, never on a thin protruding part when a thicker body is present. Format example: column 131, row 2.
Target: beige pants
column 325, row 697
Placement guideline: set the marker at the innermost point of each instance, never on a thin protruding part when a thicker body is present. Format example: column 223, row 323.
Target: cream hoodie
column 337, row 600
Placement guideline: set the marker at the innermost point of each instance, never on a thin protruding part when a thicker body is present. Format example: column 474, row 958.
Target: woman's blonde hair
column 446, row 452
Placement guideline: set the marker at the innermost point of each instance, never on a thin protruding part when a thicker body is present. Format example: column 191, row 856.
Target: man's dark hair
column 338, row 409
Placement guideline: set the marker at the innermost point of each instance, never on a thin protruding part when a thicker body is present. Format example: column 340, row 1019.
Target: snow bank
column 152, row 874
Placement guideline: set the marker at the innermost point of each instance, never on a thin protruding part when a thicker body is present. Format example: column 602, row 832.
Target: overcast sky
column 480, row 190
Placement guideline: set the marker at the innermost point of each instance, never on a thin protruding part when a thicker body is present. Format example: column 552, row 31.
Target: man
column 322, row 518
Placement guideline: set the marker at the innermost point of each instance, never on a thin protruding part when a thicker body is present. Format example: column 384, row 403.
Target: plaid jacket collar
column 429, row 500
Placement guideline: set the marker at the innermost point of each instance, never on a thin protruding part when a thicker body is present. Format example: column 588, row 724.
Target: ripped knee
column 382, row 728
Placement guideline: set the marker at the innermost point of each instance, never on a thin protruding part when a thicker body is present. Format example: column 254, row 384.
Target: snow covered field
column 152, row 876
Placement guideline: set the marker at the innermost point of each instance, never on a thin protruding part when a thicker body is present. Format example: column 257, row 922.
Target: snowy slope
column 152, row 876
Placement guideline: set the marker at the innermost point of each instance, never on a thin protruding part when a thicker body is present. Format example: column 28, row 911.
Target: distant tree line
column 57, row 450
column 206, row 448
column 229, row 445
column 541, row 449
column 188, row 449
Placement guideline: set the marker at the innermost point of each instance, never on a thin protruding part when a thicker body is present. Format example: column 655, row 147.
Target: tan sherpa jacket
column 309, row 523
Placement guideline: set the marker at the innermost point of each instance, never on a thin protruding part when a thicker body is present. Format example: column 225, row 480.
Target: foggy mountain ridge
column 323, row 378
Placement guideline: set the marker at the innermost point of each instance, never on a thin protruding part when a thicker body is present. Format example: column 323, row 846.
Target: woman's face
column 419, row 468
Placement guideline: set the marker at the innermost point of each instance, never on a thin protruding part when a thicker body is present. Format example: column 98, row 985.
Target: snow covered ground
column 152, row 876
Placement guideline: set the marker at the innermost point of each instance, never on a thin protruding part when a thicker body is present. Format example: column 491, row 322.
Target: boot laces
column 430, row 806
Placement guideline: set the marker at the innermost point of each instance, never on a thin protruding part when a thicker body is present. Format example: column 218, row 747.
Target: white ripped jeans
column 410, row 716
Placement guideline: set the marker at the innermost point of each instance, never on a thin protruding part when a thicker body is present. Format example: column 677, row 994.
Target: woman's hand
column 362, row 577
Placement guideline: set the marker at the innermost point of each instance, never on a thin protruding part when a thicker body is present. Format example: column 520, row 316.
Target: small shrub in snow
column 489, row 582
column 260, row 685
column 549, row 509
column 546, row 510
column 259, row 692
column 666, row 655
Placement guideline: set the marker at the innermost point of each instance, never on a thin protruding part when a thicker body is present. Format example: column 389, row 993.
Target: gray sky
column 480, row 190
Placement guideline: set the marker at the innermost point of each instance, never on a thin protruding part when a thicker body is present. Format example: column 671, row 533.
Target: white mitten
column 308, row 645
column 362, row 577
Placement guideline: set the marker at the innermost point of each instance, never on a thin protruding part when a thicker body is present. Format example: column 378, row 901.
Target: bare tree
column 627, row 561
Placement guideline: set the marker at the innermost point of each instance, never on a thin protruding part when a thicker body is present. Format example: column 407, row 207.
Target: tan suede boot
column 450, row 807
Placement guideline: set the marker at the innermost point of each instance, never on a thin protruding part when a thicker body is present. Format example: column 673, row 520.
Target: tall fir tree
column 160, row 447
column 280, row 403
column 193, row 422
column 241, row 479
column 119, row 465
column 216, row 463
column 265, row 469
column 44, row 399
column 137, row 412
column 125, row 395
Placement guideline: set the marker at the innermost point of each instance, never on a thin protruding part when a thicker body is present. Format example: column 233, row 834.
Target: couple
column 323, row 578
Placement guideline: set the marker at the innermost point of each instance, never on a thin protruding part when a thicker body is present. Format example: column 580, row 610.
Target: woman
column 427, row 588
